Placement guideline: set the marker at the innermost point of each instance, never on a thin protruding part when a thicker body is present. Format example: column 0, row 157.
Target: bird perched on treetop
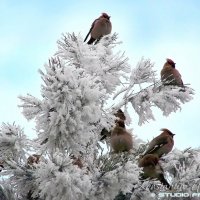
column 152, row 169
column 161, row 144
column 100, row 27
column 120, row 139
column 170, row 75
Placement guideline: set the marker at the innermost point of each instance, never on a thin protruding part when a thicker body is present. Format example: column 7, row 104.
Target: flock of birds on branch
column 120, row 139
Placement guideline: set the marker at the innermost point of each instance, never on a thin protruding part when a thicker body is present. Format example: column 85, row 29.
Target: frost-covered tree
column 67, row 160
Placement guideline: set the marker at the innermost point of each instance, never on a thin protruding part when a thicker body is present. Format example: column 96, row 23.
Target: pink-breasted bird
column 161, row 144
column 152, row 169
column 170, row 75
column 100, row 27
column 120, row 139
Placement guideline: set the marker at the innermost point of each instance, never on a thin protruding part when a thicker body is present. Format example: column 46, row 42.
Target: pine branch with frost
column 14, row 147
column 121, row 176
column 167, row 98
column 68, row 103
column 13, row 143
column 59, row 178
column 97, row 60
column 143, row 72
column 22, row 181
column 31, row 106
column 184, row 169
column 77, row 83
column 6, row 191
column 74, row 95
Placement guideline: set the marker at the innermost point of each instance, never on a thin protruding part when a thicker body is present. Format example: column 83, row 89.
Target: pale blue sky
column 154, row 29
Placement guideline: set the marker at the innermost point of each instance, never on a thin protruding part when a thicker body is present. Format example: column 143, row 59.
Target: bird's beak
column 174, row 134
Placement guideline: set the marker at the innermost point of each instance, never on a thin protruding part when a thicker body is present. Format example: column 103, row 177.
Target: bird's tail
column 91, row 41
column 86, row 36
column 165, row 182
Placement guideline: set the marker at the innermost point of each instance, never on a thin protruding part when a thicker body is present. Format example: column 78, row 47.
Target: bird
column 120, row 115
column 33, row 159
column 77, row 161
column 120, row 120
column 170, row 75
column 120, row 139
column 162, row 144
column 152, row 169
column 100, row 27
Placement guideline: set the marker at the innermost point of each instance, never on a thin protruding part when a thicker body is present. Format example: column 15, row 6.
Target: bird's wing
column 92, row 26
column 177, row 76
column 156, row 144
column 177, row 73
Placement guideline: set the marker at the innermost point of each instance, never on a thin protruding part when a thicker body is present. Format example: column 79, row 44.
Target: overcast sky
column 153, row 29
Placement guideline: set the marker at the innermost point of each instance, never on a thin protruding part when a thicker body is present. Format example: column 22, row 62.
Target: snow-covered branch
column 167, row 98
column 13, row 143
column 143, row 72
column 78, row 83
